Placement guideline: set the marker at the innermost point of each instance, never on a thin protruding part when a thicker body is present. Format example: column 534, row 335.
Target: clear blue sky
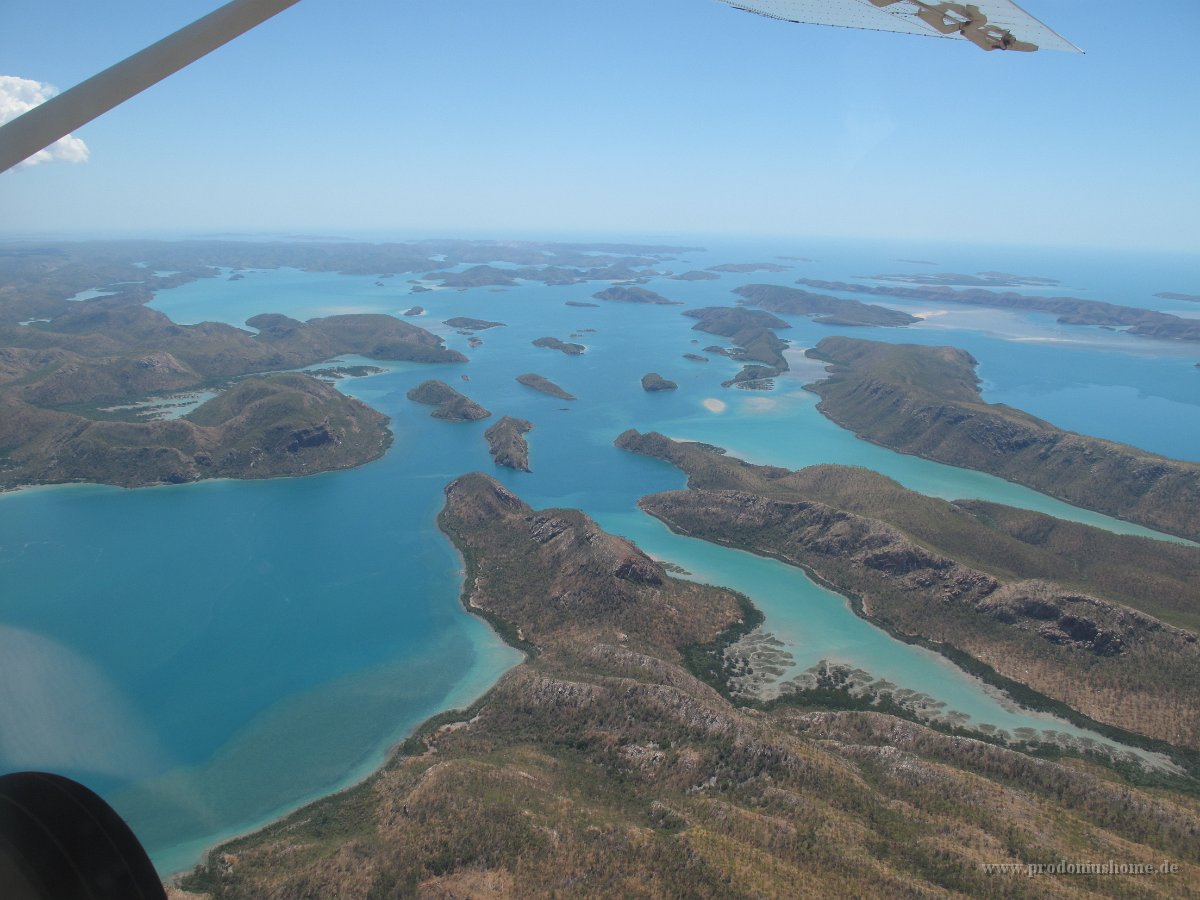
column 629, row 116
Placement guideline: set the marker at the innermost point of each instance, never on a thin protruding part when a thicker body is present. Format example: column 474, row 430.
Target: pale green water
column 209, row 656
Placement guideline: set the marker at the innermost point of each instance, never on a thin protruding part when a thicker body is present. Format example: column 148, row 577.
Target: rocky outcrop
column 451, row 405
column 544, row 385
column 652, row 382
column 507, row 444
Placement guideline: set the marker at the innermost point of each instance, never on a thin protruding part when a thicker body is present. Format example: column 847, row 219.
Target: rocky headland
column 925, row 401
column 1044, row 613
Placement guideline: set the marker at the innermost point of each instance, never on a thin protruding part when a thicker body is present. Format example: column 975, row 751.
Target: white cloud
column 18, row 95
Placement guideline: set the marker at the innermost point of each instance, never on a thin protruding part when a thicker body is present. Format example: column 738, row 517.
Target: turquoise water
column 211, row 655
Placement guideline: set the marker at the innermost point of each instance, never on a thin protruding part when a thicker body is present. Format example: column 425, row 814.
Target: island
column 696, row 357
column 618, row 294
column 1068, row 310
column 745, row 268
column 64, row 383
column 1064, row 609
column 753, row 331
column 823, row 309
column 1172, row 295
column 415, row 311
column 450, row 404
column 926, row 401
column 582, row 303
column 469, row 324
column 554, row 343
column 696, row 275
column 262, row 427
column 613, row 762
column 982, row 279
column 507, row 444
column 545, row 385
column 652, row 382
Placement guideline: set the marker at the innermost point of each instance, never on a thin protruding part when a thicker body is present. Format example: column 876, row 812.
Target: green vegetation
column 925, row 401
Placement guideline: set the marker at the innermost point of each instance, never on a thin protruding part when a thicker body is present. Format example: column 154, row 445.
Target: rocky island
column 545, row 385
column 745, row 268
column 925, row 401
column 696, row 275
column 507, row 444
column 753, row 331
column 59, row 382
column 823, row 309
column 469, row 324
column 652, row 382
column 610, row 759
column 554, row 343
column 634, row 295
column 1061, row 608
column 451, row 405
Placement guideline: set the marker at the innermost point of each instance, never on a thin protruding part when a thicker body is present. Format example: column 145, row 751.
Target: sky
column 628, row 117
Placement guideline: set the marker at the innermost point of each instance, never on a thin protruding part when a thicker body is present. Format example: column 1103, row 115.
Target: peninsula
column 603, row 761
column 823, row 309
column 926, row 401
column 1027, row 595
column 507, row 444
column 1069, row 310
column 450, row 404
column 545, row 385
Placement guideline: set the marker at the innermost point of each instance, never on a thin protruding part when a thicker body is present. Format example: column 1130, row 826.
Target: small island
column 619, row 294
column 757, row 344
column 696, row 275
column 652, row 382
column 555, row 344
column 745, row 268
column 415, row 311
column 451, row 405
column 1172, row 295
column 545, row 385
column 507, row 444
column 583, row 303
column 469, row 324
column 696, row 357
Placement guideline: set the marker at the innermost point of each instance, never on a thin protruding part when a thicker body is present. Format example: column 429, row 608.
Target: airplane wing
column 989, row 24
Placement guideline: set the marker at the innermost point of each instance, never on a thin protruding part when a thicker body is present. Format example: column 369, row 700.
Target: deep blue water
column 211, row 655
